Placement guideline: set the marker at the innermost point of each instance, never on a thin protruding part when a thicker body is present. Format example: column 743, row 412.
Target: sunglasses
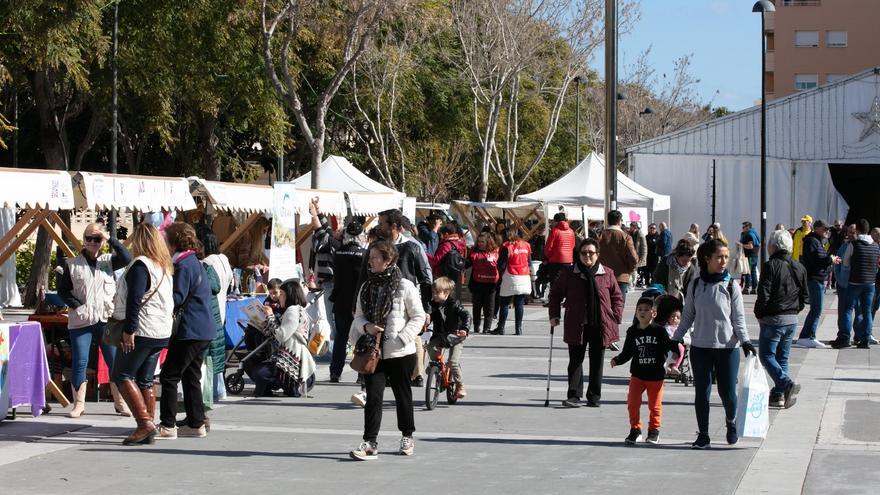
column 93, row 238
column 589, row 253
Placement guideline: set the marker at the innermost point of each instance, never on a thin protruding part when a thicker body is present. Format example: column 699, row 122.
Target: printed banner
column 282, row 255
column 639, row 215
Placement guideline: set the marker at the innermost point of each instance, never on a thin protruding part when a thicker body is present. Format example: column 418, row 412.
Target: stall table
column 25, row 375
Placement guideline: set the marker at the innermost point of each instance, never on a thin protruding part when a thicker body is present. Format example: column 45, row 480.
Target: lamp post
column 114, row 132
column 763, row 7
column 610, row 105
column 577, row 127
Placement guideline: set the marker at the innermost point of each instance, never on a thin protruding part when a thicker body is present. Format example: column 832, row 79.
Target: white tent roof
column 136, row 192
column 233, row 197
column 29, row 188
column 584, row 185
column 366, row 196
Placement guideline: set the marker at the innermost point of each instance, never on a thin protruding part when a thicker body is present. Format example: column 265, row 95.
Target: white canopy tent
column 232, row 197
column 136, row 192
column 820, row 143
column 584, row 185
column 365, row 195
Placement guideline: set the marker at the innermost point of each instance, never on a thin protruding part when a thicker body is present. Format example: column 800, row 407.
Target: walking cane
column 549, row 368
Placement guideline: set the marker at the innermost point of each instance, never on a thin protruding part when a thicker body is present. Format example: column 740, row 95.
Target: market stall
column 526, row 216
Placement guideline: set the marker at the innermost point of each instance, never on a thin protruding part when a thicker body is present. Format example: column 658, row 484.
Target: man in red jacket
column 559, row 248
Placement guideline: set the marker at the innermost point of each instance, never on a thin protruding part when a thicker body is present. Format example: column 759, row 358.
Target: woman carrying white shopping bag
column 714, row 309
column 752, row 416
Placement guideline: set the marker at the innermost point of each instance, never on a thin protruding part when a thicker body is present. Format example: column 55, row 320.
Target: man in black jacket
column 347, row 262
column 817, row 261
column 861, row 257
column 782, row 294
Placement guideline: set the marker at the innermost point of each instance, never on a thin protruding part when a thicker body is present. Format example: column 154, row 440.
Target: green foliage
column 24, row 258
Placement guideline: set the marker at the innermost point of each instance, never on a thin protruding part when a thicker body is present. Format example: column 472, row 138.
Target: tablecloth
column 27, row 370
column 234, row 333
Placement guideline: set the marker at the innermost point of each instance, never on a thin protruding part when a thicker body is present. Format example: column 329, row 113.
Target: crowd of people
column 395, row 281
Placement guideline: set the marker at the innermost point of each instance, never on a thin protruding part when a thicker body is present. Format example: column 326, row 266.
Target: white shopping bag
column 752, row 415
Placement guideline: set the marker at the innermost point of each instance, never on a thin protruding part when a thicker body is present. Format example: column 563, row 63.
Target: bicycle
column 439, row 379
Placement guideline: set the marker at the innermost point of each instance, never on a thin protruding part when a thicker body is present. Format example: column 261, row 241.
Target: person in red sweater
column 559, row 248
column 483, row 260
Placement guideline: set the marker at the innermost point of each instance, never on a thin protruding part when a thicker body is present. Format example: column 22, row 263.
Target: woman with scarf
column 390, row 308
column 714, row 309
column 268, row 376
column 593, row 310
column 675, row 271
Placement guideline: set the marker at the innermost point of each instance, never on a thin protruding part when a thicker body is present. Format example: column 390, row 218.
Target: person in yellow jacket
column 798, row 237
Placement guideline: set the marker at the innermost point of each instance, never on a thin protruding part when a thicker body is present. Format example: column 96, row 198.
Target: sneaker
column 702, row 442
column 777, row 401
column 653, row 437
column 790, row 394
column 366, row 451
column 189, row 431
column 809, row 344
column 407, row 446
column 732, row 437
column 839, row 343
column 572, row 402
column 863, row 345
column 334, row 378
column 873, row 341
column 166, row 433
column 635, row 435
column 359, row 399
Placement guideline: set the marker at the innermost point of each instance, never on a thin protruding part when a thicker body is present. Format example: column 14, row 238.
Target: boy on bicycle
column 451, row 326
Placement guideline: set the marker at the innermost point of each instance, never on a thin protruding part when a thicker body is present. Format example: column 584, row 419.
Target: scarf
column 591, row 295
column 377, row 294
column 672, row 261
column 712, row 278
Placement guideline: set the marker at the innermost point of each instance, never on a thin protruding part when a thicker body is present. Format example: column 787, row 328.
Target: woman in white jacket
column 390, row 306
column 293, row 337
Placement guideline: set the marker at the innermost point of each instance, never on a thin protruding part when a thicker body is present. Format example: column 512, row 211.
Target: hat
column 819, row 224
column 354, row 228
column 807, row 218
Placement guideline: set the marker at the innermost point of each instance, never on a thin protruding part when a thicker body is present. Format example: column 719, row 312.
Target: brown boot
column 146, row 430
column 79, row 401
column 149, row 396
column 118, row 403
column 460, row 392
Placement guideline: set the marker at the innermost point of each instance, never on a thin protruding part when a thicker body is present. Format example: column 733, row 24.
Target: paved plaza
column 501, row 439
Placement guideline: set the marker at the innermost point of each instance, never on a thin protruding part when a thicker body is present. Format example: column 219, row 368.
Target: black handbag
column 113, row 329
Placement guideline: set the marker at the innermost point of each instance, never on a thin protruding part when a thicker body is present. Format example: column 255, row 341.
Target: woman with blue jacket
column 196, row 330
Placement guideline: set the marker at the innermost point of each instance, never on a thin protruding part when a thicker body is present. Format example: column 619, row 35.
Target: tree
column 300, row 22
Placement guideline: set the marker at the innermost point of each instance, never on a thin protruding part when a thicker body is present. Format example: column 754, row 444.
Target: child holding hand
column 451, row 323
column 646, row 345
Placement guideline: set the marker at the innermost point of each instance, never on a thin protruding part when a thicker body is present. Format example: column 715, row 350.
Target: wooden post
column 57, row 238
column 239, row 232
column 28, row 216
column 65, row 231
column 42, row 215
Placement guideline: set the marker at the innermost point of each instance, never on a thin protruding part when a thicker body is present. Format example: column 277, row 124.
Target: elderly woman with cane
column 593, row 310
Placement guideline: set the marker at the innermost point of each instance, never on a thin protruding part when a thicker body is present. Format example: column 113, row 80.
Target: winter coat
column 616, row 251
column 715, row 311
column 568, row 289
column 449, row 317
column 652, row 241
column 190, row 278
column 664, row 243
column 347, row 262
column 413, row 264
column 428, row 237
column 88, row 287
column 446, row 245
column 667, row 276
column 217, row 349
column 798, row 243
column 782, row 289
column 814, row 258
column 641, row 246
column 402, row 327
column 288, row 335
column 560, row 244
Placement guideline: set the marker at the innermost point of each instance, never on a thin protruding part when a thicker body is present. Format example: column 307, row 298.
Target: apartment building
column 814, row 42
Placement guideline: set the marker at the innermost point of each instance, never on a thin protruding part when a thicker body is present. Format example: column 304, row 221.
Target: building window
column 835, row 39
column 806, row 39
column 805, row 81
column 832, row 78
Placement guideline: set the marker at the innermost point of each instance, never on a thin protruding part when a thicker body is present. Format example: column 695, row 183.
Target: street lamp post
column 577, row 127
column 610, row 105
column 763, row 7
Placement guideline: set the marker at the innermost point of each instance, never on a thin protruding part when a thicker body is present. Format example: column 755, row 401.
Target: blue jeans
column 80, row 346
column 857, row 313
column 519, row 302
column 752, row 277
column 624, row 288
column 774, row 348
column 139, row 364
column 723, row 364
column 817, row 299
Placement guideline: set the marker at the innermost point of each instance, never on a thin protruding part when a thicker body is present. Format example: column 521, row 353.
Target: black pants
column 343, row 326
column 576, row 355
column 398, row 370
column 553, row 270
column 483, row 298
column 183, row 363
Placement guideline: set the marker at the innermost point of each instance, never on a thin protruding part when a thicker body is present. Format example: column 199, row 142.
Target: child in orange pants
column 646, row 345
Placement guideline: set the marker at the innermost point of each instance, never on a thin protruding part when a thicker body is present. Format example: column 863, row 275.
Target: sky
column 722, row 35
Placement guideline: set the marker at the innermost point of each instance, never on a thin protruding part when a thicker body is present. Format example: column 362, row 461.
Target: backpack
column 453, row 264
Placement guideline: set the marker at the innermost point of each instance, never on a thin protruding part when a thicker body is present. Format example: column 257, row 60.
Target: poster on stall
column 638, row 215
column 282, row 255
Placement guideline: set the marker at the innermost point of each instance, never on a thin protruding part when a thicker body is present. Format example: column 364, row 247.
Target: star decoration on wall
column 871, row 119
